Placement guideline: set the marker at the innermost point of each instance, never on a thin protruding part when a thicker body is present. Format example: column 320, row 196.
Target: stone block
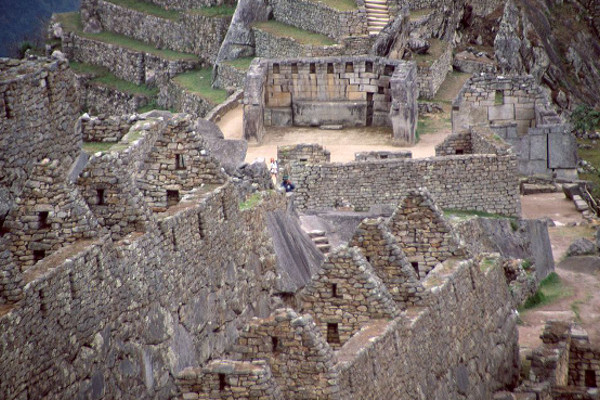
column 347, row 113
column 281, row 116
column 562, row 150
column 525, row 113
column 501, row 112
column 538, row 147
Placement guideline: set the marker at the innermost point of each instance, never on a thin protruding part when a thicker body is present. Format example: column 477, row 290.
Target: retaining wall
column 185, row 101
column 431, row 76
column 482, row 182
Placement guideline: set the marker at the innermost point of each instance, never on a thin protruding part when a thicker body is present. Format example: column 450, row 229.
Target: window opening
column 275, row 68
column 333, row 334
column 349, row 67
column 43, row 220
column 172, row 197
column 179, row 161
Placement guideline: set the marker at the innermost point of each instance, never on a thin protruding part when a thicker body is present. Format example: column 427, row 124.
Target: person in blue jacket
column 287, row 184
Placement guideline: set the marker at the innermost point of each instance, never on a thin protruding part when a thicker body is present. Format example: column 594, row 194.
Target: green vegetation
column 590, row 152
column 251, row 201
column 526, row 264
column 126, row 141
column 216, row 11
column 72, row 22
column 199, row 82
column 299, row 35
column 94, row 147
column 124, row 86
column 585, row 118
column 340, row 5
column 550, row 290
column 241, row 63
column 487, row 263
column 435, row 52
column 88, row 69
column 466, row 214
column 416, row 14
column 499, row 97
column 148, row 8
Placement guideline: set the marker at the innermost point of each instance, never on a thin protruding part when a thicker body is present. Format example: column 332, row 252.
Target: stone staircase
column 378, row 15
column 320, row 240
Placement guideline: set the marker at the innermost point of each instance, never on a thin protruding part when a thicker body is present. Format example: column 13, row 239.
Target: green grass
column 241, row 63
column 499, row 98
column 299, row 35
column 72, row 22
column 251, row 201
column 340, row 5
column 415, row 14
column 88, row 69
column 550, row 290
column 199, row 82
column 148, row 8
column 215, row 11
column 94, row 147
column 487, row 263
column 126, row 141
column 466, row 214
column 435, row 51
column 124, row 86
column 591, row 155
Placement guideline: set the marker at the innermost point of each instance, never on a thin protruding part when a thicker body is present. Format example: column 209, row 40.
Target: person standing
column 274, row 169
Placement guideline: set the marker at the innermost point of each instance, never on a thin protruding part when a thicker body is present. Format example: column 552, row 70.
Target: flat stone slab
column 331, row 127
column 532, row 188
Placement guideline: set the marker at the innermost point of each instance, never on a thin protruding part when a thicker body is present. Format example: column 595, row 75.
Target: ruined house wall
column 98, row 99
column 467, row 328
column 344, row 295
column 126, row 317
column 481, row 182
column 584, row 365
column 104, row 128
column 496, row 101
column 178, row 163
column 188, row 4
column 29, row 92
column 193, row 33
column 175, row 96
column 381, row 155
column 321, row 18
column 457, row 143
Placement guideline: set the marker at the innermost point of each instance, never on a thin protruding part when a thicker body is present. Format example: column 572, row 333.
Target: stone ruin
column 519, row 112
column 331, row 91
column 153, row 268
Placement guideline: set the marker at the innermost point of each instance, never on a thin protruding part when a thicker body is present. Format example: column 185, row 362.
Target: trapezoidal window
column 499, row 97
column 369, row 66
column 334, row 291
column 380, row 90
column 415, row 265
column 39, row 255
column 172, row 197
column 459, row 151
column 330, row 68
column 179, row 162
column 275, row 344
column 100, row 197
column 349, row 67
column 43, row 220
column 294, row 68
column 275, row 68
column 333, row 334
column 313, row 68
column 222, row 382
column 389, row 70
column 590, row 378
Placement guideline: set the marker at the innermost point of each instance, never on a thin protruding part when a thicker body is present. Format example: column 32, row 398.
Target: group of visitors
column 286, row 184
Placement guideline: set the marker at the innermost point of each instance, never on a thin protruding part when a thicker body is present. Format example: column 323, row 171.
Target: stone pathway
column 378, row 15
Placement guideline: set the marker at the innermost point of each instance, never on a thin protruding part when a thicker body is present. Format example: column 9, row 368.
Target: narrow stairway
column 378, row 15
column 320, row 240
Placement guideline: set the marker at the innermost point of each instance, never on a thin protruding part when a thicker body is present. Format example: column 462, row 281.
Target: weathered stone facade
column 432, row 74
column 519, row 112
column 174, row 96
column 485, row 182
column 359, row 91
column 104, row 128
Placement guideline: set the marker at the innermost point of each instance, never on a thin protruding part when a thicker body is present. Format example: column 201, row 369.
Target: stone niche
column 346, row 91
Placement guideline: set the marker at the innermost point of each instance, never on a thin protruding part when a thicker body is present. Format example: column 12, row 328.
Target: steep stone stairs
column 320, row 240
column 378, row 15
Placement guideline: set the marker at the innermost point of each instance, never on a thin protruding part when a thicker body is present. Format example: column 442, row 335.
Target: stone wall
column 302, row 154
column 426, row 237
column 125, row 318
column 432, row 75
column 131, row 65
column 174, row 96
column 519, row 112
column 229, row 76
column 104, row 128
column 188, row 4
column 268, row 45
column 320, row 18
column 29, row 92
column 355, row 91
column 193, row 33
column 448, row 340
column 382, row 155
column 457, row 143
column 98, row 99
column 483, row 182
column 344, row 295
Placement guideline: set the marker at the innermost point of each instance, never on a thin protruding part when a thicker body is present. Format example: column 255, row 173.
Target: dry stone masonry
column 331, row 91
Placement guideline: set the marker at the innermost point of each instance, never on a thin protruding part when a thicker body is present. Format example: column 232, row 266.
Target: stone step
column 382, row 7
column 371, row 17
column 316, row 233
column 321, row 240
column 324, row 248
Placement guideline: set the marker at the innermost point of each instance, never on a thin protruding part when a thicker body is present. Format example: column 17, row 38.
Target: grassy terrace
column 240, row 63
column 340, row 5
column 148, row 8
column 299, row 35
column 72, row 22
column 435, row 52
column 216, row 11
column 106, row 78
column 199, row 82
column 591, row 155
